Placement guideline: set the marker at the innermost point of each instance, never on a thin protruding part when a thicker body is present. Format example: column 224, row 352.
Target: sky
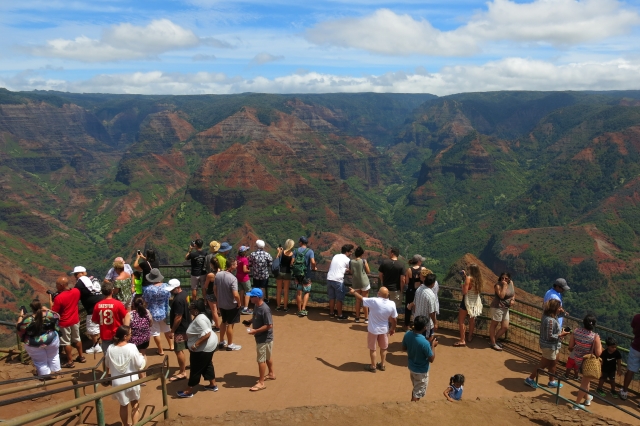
column 321, row 46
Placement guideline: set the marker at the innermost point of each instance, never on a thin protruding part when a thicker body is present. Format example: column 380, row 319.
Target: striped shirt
column 425, row 303
column 583, row 339
column 549, row 333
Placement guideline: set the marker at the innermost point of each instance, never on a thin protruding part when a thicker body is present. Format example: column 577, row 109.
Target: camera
column 139, row 253
column 193, row 243
column 567, row 329
column 52, row 293
column 23, row 310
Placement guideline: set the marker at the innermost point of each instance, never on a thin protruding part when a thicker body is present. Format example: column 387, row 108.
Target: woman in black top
column 283, row 280
column 145, row 264
column 413, row 281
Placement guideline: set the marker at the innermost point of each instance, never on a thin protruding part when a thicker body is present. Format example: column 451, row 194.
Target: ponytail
column 38, row 317
column 138, row 305
column 456, row 378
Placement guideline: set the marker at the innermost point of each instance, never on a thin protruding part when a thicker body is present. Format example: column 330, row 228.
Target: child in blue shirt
column 453, row 392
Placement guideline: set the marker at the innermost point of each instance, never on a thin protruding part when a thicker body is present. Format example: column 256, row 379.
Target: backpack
column 275, row 266
column 299, row 267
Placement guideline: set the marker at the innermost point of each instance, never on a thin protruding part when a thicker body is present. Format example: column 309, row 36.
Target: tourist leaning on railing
column 39, row 333
column 585, row 341
column 550, row 335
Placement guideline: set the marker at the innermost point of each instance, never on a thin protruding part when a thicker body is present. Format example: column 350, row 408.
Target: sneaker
column 530, row 382
column 615, row 395
column 554, row 384
column 213, row 388
column 98, row 349
column 366, row 320
column 182, row 394
column 91, row 350
column 305, row 312
column 234, row 347
column 601, row 392
column 342, row 317
column 587, row 400
column 578, row 407
column 332, row 314
column 280, row 308
column 285, row 309
column 356, row 320
column 222, row 344
column 216, row 329
column 246, row 311
column 623, row 395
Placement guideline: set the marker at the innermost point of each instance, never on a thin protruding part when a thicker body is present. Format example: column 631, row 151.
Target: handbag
column 275, row 266
column 591, row 366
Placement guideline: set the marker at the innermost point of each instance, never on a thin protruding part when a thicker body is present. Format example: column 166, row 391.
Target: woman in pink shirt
column 242, row 274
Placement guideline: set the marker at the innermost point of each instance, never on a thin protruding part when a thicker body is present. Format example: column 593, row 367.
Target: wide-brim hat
column 154, row 276
column 224, row 247
column 214, row 246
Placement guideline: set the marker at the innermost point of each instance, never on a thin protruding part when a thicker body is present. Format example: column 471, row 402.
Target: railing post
column 165, row 399
column 100, row 412
column 76, row 393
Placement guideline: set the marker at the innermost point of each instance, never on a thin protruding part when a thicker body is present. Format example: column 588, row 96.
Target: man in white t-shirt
column 382, row 324
column 335, row 281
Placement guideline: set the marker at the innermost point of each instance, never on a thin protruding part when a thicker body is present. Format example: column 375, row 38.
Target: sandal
column 370, row 369
column 496, row 348
column 80, row 359
column 381, row 367
column 69, row 365
column 176, row 377
column 257, row 388
column 459, row 344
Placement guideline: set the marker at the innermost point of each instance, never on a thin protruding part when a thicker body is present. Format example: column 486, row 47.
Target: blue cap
column 255, row 292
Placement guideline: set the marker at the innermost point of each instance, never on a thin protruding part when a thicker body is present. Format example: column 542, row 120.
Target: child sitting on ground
column 453, row 392
column 611, row 362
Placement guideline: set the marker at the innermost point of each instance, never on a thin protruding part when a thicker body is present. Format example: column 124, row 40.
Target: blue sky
column 286, row 46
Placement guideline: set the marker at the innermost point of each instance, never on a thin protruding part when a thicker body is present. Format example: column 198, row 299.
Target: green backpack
column 299, row 268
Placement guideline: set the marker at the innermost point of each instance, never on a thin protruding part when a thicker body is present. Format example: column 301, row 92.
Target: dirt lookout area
column 320, row 379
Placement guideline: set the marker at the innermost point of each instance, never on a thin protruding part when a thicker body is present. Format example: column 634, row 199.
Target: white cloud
column 505, row 74
column 264, row 58
column 556, row 22
column 203, row 58
column 126, row 41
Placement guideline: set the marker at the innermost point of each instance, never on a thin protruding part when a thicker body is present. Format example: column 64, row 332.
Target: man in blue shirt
column 555, row 292
column 421, row 354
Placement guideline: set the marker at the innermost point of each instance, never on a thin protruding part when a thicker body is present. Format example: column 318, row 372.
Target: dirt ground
column 320, row 362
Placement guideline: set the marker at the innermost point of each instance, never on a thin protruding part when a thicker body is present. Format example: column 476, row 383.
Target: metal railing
column 73, row 408
column 20, row 351
column 560, row 379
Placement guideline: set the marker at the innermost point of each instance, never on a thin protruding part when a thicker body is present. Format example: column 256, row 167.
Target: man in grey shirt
column 225, row 287
column 262, row 330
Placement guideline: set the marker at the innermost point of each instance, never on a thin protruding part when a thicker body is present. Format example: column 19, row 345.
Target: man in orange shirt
column 110, row 314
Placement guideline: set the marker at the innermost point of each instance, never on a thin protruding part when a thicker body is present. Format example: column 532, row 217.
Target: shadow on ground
column 347, row 366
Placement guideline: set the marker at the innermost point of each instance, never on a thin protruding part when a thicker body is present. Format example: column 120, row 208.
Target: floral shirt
column 49, row 329
column 260, row 262
column 140, row 328
column 157, row 298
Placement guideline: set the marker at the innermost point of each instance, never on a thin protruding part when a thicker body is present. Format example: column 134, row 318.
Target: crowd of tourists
column 134, row 303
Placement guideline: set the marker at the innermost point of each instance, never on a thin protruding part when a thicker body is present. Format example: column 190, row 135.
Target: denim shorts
column 633, row 362
column 336, row 290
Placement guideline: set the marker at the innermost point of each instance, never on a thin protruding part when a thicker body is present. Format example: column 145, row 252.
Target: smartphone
column 139, row 253
column 23, row 310
column 246, row 322
column 567, row 329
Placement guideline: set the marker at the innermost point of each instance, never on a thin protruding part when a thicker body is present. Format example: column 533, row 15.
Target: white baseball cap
column 173, row 284
column 79, row 269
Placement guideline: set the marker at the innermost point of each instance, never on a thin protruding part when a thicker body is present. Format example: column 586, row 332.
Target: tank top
column 360, row 279
column 140, row 328
column 415, row 278
column 506, row 302
column 584, row 340
column 456, row 393
column 285, row 263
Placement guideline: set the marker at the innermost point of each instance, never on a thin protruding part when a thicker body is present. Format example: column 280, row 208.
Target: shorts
column 263, row 351
column 197, row 281
column 70, row 335
column 428, row 332
column 396, row 297
column 571, row 364
column 550, row 354
column 304, row 288
column 284, row 276
column 93, row 329
column 420, row 381
column 230, row 316
column 260, row 283
column 381, row 339
column 212, row 298
column 336, row 290
column 499, row 314
column 159, row 327
column 365, row 288
column 143, row 346
column 179, row 342
column 105, row 345
column 245, row 286
column 633, row 361
column 609, row 375
column 463, row 306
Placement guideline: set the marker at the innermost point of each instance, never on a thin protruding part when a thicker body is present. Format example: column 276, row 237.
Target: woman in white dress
column 122, row 358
